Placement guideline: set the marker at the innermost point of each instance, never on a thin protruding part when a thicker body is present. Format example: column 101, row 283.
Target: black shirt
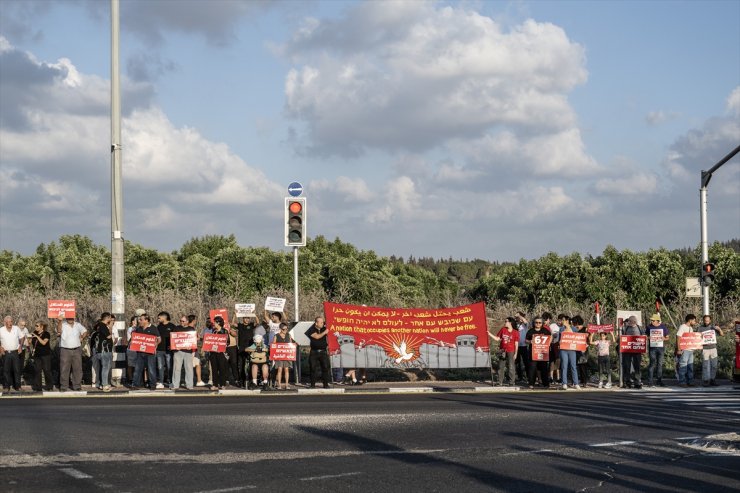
column 164, row 333
column 99, row 341
column 320, row 343
column 38, row 348
column 151, row 330
column 245, row 335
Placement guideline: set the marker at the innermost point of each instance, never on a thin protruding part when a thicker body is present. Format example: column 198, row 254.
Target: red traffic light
column 295, row 207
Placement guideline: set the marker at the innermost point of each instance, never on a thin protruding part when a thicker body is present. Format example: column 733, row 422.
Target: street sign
column 295, row 189
column 693, row 287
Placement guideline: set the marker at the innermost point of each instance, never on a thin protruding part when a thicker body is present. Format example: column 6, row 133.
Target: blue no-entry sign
column 295, row 189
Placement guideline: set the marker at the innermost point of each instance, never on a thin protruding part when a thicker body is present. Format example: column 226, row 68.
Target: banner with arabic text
column 373, row 337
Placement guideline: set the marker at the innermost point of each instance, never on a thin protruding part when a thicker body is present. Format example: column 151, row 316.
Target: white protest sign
column 656, row 337
column 274, row 304
column 244, row 309
column 708, row 337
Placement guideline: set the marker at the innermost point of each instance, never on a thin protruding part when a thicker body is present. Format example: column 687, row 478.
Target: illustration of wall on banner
column 372, row 337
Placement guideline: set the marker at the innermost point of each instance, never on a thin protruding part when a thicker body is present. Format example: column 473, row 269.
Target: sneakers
column 106, row 388
column 160, row 386
column 601, row 385
column 565, row 387
column 608, row 385
column 200, row 383
column 578, row 387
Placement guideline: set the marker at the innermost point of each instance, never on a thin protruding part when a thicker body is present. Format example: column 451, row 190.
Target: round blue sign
column 295, row 189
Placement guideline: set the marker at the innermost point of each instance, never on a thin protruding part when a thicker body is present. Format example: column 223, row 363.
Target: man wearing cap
column 71, row 337
column 631, row 361
column 657, row 336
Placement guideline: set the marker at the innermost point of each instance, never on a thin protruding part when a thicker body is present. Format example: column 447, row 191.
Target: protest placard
column 708, row 337
column 283, row 351
column 690, row 341
column 67, row 308
column 245, row 310
column 593, row 328
column 220, row 312
column 274, row 304
column 633, row 344
column 143, row 343
column 215, row 343
column 656, row 337
column 541, row 347
column 184, row 340
column 573, row 341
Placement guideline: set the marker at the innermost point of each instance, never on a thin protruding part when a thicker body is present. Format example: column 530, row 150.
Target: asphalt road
column 554, row 441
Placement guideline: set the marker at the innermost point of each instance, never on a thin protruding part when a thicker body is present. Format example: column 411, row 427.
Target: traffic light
column 707, row 273
column 295, row 221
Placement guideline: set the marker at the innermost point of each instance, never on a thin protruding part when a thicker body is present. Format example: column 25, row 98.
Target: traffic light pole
column 705, row 177
column 295, row 283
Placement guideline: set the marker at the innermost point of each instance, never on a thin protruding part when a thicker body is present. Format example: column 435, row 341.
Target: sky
column 492, row 130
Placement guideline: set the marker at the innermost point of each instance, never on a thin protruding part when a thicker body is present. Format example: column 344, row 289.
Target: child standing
column 603, row 345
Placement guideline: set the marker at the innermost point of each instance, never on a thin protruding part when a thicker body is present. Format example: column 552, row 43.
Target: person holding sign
column 509, row 346
column 709, row 351
column 319, row 356
column 258, row 352
column 538, row 341
column 144, row 358
column 101, row 343
column 11, row 345
column 631, row 362
column 245, row 338
column 568, row 357
column 685, row 356
column 182, row 351
column 603, row 355
column 657, row 336
column 219, row 365
column 71, row 337
column 283, row 367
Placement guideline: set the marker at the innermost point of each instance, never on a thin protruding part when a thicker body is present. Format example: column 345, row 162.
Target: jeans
column 164, row 366
column 319, row 358
column 102, row 363
column 12, row 366
column 568, row 359
column 605, row 369
column 709, row 364
column 522, row 362
column 657, row 355
column 180, row 358
column 685, row 367
column 150, row 361
column 502, row 364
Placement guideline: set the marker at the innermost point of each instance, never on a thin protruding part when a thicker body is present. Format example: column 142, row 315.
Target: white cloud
column 349, row 190
column 402, row 202
column 657, row 117
column 638, row 184
column 733, row 102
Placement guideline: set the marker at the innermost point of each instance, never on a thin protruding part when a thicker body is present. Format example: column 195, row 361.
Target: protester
column 603, row 345
column 581, row 356
column 164, row 353
column 537, row 366
column 568, row 358
column 283, row 367
column 245, row 338
column 509, row 347
column 258, row 353
column 101, row 344
column 219, row 365
column 208, row 329
column 183, row 357
column 273, row 320
column 41, row 353
column 11, row 346
column 522, row 355
column 145, row 359
column 72, row 335
column 319, row 356
column 657, row 349
column 631, row 362
column 232, row 356
column 686, row 356
column 25, row 345
column 709, row 351
column 130, row 354
column 555, row 376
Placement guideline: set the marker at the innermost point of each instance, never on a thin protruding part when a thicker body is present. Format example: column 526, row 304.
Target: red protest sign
column 375, row 337
column 633, row 344
column 690, row 341
column 215, row 343
column 220, row 312
column 593, row 328
column 66, row 308
column 184, row 340
column 282, row 351
column 143, row 343
column 573, row 341
column 541, row 347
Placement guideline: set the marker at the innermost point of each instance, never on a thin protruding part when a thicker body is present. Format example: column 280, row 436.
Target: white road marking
column 686, row 438
column 331, row 476
column 75, row 473
column 611, row 444
column 527, row 452
column 235, row 488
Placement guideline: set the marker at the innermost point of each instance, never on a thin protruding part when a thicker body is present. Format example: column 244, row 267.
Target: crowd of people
column 246, row 361
column 566, row 368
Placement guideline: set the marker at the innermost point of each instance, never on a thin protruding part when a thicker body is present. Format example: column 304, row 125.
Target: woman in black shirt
column 41, row 352
column 219, row 365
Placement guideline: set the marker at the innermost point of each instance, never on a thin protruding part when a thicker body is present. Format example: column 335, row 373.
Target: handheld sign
column 709, row 337
column 143, row 343
column 573, row 341
column 274, row 304
column 541, row 347
column 282, row 351
column 215, row 343
column 244, row 310
column 65, row 308
column 690, row 341
column 220, row 312
column 593, row 329
column 184, row 340
column 656, row 337
column 633, row 344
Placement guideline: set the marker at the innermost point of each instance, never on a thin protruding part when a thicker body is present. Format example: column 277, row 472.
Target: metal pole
column 295, row 283
column 117, row 286
column 704, row 247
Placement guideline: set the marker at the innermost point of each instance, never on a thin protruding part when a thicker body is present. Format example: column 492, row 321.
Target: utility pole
column 118, row 305
column 705, row 177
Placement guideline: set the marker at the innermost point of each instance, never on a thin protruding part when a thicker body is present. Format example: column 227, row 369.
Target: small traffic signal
column 295, row 221
column 707, row 273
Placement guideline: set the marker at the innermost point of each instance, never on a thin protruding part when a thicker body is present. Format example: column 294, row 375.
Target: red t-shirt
column 509, row 340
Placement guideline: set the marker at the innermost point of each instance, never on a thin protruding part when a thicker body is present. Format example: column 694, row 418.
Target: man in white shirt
column 71, row 337
column 11, row 345
column 686, row 357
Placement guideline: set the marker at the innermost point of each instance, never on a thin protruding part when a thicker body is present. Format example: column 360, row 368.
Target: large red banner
column 633, row 344
column 690, row 341
column 541, row 347
column 184, row 340
column 215, row 343
column 143, row 343
column 64, row 307
column 220, row 312
column 595, row 329
column 282, row 351
column 374, row 337
column 573, row 341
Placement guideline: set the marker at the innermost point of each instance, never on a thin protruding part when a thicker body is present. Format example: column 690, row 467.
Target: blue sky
column 496, row 130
